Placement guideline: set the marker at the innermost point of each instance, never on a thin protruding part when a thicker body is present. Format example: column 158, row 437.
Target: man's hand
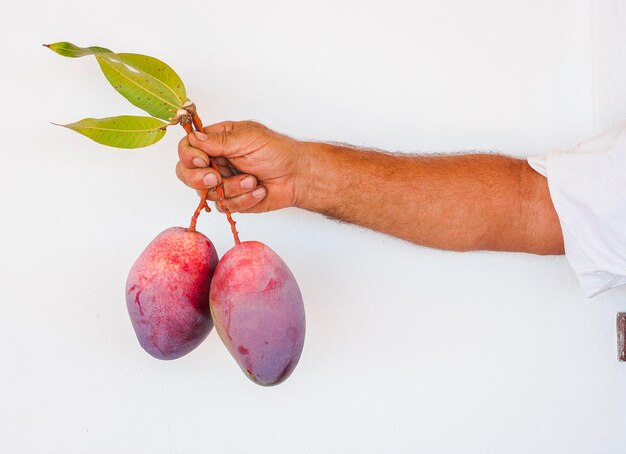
column 261, row 169
column 457, row 202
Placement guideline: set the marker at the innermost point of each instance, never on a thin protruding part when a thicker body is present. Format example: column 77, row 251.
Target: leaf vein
column 158, row 80
column 115, row 130
column 135, row 83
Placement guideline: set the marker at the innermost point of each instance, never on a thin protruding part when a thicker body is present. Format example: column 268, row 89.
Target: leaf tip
column 57, row 124
column 46, row 45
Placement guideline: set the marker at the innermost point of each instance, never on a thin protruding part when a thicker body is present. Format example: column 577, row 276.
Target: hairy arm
column 454, row 202
column 459, row 202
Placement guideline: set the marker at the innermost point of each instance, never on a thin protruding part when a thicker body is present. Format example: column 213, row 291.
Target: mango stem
column 197, row 123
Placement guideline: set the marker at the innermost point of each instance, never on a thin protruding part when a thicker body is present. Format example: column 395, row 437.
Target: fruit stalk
column 197, row 123
column 186, row 122
column 203, row 205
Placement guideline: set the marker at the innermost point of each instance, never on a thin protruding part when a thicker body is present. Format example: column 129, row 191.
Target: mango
column 258, row 312
column 167, row 293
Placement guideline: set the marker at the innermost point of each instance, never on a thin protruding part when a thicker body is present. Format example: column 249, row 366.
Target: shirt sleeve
column 588, row 190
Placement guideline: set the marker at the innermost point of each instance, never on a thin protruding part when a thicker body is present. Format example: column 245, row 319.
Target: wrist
column 306, row 152
column 316, row 181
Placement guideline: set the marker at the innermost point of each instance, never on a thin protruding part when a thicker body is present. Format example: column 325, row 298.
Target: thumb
column 221, row 139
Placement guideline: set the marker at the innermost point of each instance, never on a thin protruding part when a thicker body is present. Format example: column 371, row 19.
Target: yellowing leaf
column 121, row 132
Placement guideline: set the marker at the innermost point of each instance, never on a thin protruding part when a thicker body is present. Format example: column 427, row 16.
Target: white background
column 408, row 349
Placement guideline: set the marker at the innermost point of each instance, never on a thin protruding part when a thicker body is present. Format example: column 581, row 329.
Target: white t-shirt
column 588, row 189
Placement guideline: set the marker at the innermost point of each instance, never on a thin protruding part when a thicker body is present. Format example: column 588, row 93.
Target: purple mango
column 167, row 293
column 258, row 312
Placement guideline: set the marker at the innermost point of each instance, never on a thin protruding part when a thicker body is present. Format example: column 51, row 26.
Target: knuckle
column 198, row 179
column 178, row 171
column 185, row 160
column 189, row 158
column 189, row 177
column 183, row 145
column 222, row 138
column 252, row 124
column 186, row 154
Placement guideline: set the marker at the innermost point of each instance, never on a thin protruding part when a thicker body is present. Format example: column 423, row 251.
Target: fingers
column 222, row 126
column 197, row 178
column 191, row 157
column 228, row 139
column 221, row 142
column 235, row 186
column 225, row 168
column 243, row 202
column 194, row 172
column 242, row 193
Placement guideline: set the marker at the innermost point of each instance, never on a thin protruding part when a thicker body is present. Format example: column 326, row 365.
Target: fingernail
column 200, row 136
column 259, row 192
column 198, row 162
column 210, row 180
column 248, row 182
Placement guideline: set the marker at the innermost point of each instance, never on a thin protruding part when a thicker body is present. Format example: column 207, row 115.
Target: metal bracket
column 621, row 336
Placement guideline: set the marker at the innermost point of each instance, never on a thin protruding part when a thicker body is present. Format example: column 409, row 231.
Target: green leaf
column 146, row 82
column 157, row 69
column 72, row 51
column 121, row 132
column 141, row 89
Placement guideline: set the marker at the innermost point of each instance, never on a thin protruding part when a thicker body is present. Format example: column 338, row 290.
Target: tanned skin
column 454, row 202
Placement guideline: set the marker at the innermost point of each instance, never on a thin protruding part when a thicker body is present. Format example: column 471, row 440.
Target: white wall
column 408, row 349
column 609, row 64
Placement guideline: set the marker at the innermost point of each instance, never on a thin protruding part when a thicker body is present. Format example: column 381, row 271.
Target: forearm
column 466, row 202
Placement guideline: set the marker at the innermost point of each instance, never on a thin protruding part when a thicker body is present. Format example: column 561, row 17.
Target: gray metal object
column 621, row 336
